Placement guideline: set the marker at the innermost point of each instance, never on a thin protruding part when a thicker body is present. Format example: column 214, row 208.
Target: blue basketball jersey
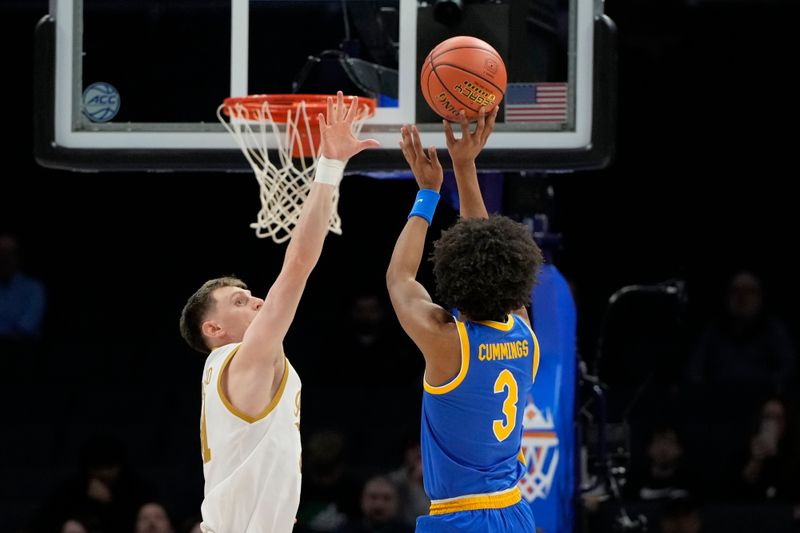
column 471, row 434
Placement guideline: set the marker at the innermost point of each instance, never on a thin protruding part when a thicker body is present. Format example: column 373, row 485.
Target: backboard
column 135, row 84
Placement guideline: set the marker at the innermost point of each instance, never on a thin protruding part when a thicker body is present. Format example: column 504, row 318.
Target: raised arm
column 259, row 361
column 429, row 325
column 463, row 152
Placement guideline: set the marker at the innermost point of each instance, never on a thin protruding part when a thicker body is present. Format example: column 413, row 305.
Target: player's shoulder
column 522, row 321
column 222, row 353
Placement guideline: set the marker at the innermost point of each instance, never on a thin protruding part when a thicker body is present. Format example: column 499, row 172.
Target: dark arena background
column 699, row 191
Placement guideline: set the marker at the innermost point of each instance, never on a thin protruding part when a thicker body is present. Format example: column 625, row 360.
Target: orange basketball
column 463, row 72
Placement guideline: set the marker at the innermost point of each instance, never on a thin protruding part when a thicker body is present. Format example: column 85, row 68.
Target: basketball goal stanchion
column 291, row 121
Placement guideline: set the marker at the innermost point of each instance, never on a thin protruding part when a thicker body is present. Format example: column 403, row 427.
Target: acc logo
column 540, row 448
column 100, row 102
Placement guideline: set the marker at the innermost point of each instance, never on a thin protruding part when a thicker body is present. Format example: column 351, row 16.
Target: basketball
column 463, row 72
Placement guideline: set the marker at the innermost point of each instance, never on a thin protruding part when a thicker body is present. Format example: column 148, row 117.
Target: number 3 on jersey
column 503, row 428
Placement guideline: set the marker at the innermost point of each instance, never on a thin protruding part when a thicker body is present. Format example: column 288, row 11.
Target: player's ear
column 210, row 329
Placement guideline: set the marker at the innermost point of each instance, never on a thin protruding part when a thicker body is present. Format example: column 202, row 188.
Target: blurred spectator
column 747, row 345
column 104, row 496
column 22, row 298
column 664, row 474
column 73, row 526
column 153, row 518
column 770, row 472
column 681, row 515
column 379, row 508
column 329, row 495
column 413, row 501
column 367, row 320
column 376, row 346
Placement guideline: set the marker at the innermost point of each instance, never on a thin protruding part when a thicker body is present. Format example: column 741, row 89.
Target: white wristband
column 329, row 171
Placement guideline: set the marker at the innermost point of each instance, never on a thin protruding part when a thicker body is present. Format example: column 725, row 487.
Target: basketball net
column 284, row 184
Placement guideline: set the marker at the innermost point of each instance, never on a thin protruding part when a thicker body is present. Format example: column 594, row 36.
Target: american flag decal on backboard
column 536, row 102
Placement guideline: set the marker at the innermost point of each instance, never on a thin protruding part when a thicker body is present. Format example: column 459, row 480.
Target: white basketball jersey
column 251, row 464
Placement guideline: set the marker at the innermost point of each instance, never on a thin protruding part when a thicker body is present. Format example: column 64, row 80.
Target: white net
column 284, row 184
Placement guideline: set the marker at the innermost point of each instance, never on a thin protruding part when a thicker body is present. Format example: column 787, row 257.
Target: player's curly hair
column 199, row 303
column 486, row 268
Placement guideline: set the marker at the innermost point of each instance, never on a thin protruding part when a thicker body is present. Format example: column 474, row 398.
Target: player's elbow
column 393, row 277
column 396, row 285
column 398, row 271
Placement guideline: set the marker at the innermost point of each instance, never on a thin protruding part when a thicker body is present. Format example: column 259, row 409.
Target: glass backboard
column 135, row 84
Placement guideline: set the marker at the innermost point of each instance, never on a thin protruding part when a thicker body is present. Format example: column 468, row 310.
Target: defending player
column 250, row 421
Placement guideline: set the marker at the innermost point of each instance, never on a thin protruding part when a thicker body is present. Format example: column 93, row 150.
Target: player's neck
column 466, row 318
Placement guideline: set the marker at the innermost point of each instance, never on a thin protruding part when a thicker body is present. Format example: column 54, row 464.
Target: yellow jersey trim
column 456, row 381
column 268, row 409
column 474, row 502
column 521, row 458
column 502, row 326
column 535, row 350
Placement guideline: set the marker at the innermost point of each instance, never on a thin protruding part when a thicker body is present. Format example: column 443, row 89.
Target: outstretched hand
column 336, row 130
column 425, row 166
column 467, row 148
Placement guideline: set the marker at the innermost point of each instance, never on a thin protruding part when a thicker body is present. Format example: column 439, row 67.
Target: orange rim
column 251, row 107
